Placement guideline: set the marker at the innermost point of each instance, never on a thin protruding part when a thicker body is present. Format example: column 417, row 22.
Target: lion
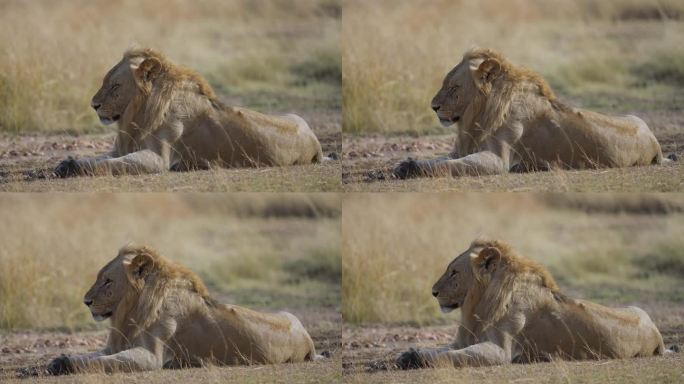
column 510, row 120
column 170, row 119
column 162, row 316
column 513, row 311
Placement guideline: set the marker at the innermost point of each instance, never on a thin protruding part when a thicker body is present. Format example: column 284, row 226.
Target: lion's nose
column 88, row 302
column 435, row 293
column 435, row 108
column 95, row 106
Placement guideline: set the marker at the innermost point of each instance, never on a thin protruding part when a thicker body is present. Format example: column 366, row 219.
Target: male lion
column 162, row 316
column 170, row 119
column 509, row 119
column 513, row 311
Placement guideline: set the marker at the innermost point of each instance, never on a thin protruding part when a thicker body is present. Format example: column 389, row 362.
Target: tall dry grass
column 395, row 246
column 53, row 246
column 395, row 54
column 54, row 54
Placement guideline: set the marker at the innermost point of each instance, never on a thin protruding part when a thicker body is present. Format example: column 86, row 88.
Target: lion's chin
column 102, row 317
column 446, row 123
column 108, row 121
column 449, row 122
column 448, row 308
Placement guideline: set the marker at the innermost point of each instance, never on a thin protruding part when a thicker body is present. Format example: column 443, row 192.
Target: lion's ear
column 148, row 69
column 140, row 266
column 488, row 70
column 487, row 260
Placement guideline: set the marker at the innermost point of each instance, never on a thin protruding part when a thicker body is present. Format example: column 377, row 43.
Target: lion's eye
column 107, row 282
column 453, row 273
column 115, row 87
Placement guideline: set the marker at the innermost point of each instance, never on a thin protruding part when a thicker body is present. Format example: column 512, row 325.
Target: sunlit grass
column 54, row 54
column 396, row 246
column 265, row 250
column 393, row 68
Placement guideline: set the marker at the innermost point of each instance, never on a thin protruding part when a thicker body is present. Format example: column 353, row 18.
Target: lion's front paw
column 411, row 359
column 407, row 169
column 68, row 168
column 60, row 366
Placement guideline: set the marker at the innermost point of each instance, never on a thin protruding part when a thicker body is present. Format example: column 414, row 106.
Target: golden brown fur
column 163, row 316
column 509, row 118
column 513, row 310
column 170, row 119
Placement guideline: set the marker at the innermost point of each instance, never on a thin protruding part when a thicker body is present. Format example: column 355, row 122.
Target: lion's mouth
column 103, row 316
column 448, row 308
column 108, row 120
column 447, row 122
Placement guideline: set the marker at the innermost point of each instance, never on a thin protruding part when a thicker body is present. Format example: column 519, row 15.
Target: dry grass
column 298, row 178
column 396, row 246
column 395, row 55
column 272, row 251
column 266, row 54
column 668, row 178
column 317, row 372
column 644, row 370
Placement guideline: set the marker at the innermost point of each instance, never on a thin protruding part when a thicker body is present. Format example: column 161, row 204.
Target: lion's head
column 119, row 282
column 452, row 288
column 132, row 286
column 487, row 272
column 109, row 289
column 477, row 94
column 463, row 87
column 122, row 84
column 143, row 76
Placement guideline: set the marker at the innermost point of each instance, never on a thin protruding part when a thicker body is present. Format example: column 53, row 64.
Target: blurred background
column 616, row 249
column 270, row 55
column 264, row 251
column 613, row 56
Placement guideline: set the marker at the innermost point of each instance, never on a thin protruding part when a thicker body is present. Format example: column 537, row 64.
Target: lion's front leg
column 130, row 360
column 141, row 162
column 481, row 354
column 64, row 365
column 420, row 358
column 476, row 164
column 411, row 168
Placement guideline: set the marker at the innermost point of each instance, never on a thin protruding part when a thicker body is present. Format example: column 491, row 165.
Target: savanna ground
column 263, row 251
column 274, row 56
column 615, row 249
column 614, row 56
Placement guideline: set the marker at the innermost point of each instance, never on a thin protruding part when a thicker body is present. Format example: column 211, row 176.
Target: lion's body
column 580, row 330
column 170, row 119
column 508, row 118
column 578, row 139
column 163, row 316
column 513, row 311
